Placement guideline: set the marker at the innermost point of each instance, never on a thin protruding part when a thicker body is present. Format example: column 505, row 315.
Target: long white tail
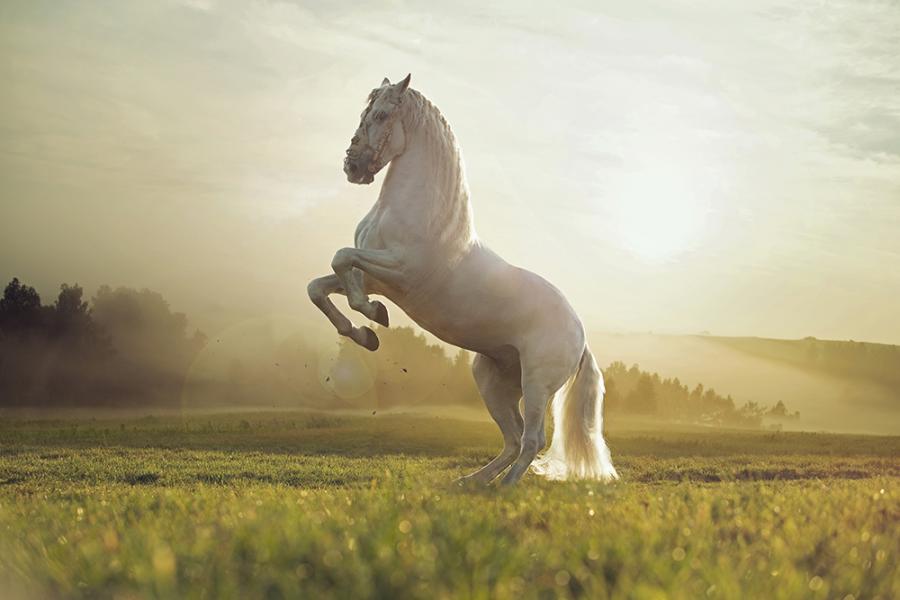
column 578, row 450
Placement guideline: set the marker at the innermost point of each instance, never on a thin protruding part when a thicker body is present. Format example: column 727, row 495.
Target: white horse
column 418, row 247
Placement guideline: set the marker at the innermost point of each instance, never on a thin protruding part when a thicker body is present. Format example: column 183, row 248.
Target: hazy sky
column 731, row 167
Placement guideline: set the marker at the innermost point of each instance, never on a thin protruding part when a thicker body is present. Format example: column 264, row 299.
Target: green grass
column 272, row 505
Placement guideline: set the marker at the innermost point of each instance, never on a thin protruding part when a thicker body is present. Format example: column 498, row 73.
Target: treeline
column 407, row 370
column 295, row 371
column 127, row 348
column 630, row 390
column 123, row 345
column 865, row 360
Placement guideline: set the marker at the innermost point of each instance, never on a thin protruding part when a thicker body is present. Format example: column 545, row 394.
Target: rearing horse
column 418, row 247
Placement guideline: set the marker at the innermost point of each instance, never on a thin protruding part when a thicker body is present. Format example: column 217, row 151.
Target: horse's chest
column 380, row 231
column 368, row 233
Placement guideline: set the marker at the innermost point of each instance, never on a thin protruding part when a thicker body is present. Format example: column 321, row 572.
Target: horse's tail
column 578, row 450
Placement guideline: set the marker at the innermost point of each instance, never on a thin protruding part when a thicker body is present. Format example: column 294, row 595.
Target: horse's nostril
column 351, row 167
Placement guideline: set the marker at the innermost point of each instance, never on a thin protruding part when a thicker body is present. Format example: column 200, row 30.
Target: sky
column 675, row 167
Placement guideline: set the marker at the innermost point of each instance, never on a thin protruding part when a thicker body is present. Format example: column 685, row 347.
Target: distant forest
column 631, row 390
column 126, row 348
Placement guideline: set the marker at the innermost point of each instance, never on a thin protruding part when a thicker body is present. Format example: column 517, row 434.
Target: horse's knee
column 314, row 290
column 343, row 260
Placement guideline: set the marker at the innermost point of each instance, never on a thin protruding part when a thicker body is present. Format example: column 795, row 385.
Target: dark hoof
column 381, row 314
column 369, row 340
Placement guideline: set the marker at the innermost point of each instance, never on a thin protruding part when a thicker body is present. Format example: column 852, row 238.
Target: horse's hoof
column 368, row 340
column 381, row 314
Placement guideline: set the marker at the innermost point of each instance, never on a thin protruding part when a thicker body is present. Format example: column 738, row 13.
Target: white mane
column 444, row 190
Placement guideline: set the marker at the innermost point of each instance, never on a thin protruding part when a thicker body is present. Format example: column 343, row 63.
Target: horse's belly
column 456, row 329
column 481, row 303
column 471, row 306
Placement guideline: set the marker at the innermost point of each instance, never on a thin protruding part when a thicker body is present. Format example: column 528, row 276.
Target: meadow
column 310, row 505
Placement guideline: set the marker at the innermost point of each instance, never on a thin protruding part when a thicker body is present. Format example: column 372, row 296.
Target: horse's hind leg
column 538, row 388
column 501, row 390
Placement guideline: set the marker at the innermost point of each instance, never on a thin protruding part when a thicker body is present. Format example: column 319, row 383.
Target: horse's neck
column 427, row 181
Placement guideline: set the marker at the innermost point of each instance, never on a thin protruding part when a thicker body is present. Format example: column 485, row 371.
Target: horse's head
column 380, row 137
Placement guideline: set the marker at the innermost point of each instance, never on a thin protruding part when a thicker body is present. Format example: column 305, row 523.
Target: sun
column 659, row 212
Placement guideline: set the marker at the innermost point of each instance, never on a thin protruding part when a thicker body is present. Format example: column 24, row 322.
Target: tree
column 144, row 329
column 612, row 400
column 642, row 398
column 460, row 383
column 72, row 320
column 69, row 301
column 20, row 307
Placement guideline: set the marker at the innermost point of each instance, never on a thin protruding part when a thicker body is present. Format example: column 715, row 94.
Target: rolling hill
column 836, row 385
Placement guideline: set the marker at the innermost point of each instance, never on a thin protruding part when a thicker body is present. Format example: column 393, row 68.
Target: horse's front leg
column 350, row 265
column 319, row 289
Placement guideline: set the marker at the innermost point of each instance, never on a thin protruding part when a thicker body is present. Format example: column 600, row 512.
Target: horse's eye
column 380, row 116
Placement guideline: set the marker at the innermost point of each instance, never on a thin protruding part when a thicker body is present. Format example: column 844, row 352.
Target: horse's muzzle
column 358, row 171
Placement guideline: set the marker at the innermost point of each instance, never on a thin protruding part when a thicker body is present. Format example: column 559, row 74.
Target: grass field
column 299, row 505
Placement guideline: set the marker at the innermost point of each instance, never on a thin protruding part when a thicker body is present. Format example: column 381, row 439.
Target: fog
column 826, row 402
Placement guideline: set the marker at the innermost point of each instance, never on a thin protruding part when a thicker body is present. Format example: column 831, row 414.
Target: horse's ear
column 385, row 82
column 401, row 87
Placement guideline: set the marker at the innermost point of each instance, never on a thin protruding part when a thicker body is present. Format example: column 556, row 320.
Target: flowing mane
column 444, row 191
